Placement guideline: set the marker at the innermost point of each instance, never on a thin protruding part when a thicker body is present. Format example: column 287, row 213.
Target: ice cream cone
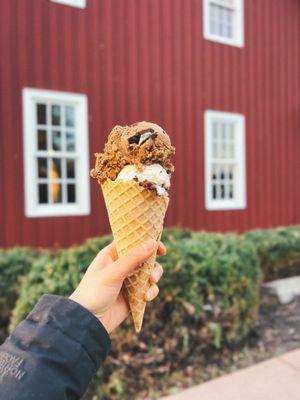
column 135, row 214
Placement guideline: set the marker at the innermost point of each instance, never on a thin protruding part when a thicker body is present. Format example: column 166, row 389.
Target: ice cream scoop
column 152, row 176
column 143, row 143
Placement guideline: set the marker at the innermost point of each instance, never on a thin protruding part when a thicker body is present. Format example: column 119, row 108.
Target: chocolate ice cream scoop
column 143, row 143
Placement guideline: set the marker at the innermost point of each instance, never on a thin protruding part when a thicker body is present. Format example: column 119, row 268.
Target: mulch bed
column 278, row 327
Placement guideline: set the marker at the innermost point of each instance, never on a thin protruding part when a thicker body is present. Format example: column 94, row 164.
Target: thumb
column 131, row 260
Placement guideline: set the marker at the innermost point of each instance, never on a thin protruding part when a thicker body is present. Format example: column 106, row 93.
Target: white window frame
column 72, row 3
column 238, row 39
column 82, row 205
column 239, row 202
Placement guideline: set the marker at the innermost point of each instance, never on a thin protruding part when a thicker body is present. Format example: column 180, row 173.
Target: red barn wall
column 147, row 60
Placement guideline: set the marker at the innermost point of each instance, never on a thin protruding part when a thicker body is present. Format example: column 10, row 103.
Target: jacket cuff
column 74, row 321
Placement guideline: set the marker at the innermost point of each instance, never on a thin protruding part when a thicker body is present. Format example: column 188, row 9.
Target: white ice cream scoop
column 153, row 173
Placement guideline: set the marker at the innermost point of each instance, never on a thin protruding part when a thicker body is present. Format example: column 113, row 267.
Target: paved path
column 275, row 379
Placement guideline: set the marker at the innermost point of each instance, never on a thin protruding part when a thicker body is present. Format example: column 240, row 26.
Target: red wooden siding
column 147, row 60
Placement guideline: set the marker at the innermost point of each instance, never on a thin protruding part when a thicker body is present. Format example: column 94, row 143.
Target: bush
column 56, row 273
column 209, row 297
column 279, row 251
column 14, row 264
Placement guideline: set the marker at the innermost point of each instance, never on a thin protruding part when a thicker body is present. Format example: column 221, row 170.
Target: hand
column 100, row 289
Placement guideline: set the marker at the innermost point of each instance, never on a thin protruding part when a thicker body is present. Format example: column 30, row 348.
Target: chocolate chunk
column 148, row 185
column 134, row 139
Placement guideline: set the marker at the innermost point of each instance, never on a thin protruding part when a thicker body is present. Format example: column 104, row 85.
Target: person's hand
column 100, row 289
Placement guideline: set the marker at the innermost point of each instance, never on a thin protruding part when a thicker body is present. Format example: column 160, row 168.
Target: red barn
column 221, row 77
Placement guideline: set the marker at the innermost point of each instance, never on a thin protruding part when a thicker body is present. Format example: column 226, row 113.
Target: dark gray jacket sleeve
column 53, row 353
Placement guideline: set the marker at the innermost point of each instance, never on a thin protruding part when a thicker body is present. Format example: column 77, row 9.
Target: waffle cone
column 135, row 214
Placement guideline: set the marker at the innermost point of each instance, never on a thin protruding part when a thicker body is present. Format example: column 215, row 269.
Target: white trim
column 82, row 205
column 239, row 201
column 72, row 3
column 238, row 33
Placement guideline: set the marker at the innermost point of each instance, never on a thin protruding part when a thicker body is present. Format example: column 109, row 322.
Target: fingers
column 156, row 274
column 151, row 293
column 131, row 260
column 161, row 251
column 105, row 257
column 109, row 254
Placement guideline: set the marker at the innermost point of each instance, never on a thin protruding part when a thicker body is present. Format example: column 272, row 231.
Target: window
column 73, row 3
column 225, row 187
column 55, row 153
column 223, row 21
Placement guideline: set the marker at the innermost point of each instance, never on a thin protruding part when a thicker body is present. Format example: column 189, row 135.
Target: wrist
column 107, row 324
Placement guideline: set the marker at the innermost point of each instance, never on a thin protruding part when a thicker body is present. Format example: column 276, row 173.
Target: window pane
column 231, row 151
column 221, row 20
column 70, row 138
column 213, row 9
column 224, row 14
column 214, row 191
column 231, row 194
column 231, row 131
column 42, row 167
column 56, row 168
column 222, row 191
column 56, row 192
column 71, row 193
column 41, row 114
column 70, row 168
column 223, row 153
column 42, row 139
column 70, row 116
column 219, row 169
column 43, row 193
column 214, row 172
column 224, row 133
column 215, row 130
column 215, row 150
column 55, row 114
column 229, row 33
column 56, row 140
column 226, row 196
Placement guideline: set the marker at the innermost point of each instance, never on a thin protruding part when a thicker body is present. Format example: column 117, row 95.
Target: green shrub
column 14, row 264
column 56, row 273
column 209, row 297
column 279, row 251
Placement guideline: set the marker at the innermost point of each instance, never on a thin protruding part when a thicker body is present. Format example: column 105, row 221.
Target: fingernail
column 149, row 245
column 151, row 293
column 161, row 243
column 156, row 275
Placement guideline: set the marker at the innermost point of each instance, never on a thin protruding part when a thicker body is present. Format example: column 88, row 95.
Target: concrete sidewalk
column 275, row 379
